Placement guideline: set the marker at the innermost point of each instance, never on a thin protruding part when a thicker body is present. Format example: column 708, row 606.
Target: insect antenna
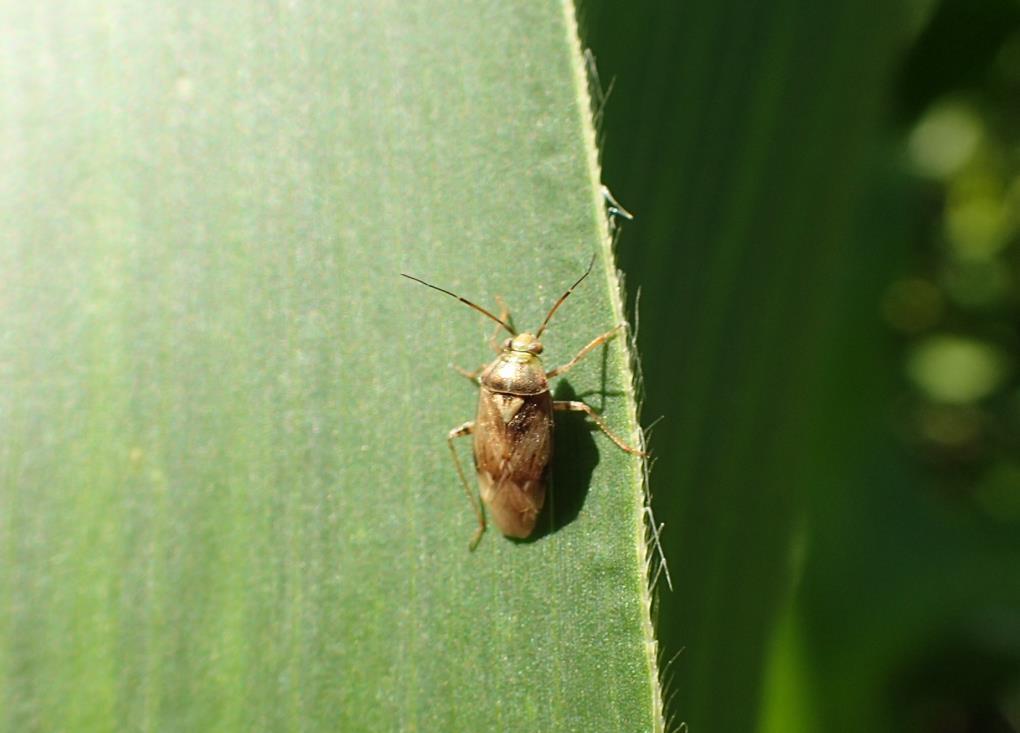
column 465, row 301
column 563, row 297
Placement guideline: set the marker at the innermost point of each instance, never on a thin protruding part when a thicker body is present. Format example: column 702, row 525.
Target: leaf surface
column 227, row 499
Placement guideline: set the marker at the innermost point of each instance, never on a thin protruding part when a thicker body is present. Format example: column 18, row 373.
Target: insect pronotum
column 513, row 428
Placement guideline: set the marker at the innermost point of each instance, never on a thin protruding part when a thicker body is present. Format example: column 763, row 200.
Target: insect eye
column 508, row 343
column 536, row 348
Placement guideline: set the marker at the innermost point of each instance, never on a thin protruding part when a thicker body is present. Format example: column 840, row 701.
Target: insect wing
column 513, row 446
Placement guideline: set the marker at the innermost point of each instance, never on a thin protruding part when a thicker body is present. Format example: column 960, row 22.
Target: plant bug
column 513, row 427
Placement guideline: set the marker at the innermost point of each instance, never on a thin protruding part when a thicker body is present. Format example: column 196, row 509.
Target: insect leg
column 504, row 315
column 459, row 432
column 575, row 406
column 596, row 342
column 473, row 376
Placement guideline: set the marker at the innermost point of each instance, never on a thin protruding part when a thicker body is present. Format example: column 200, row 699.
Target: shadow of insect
column 570, row 474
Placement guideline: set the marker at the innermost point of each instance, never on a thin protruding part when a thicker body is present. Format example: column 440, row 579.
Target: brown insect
column 513, row 428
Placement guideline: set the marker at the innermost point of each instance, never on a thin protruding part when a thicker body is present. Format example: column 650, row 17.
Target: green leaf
column 227, row 502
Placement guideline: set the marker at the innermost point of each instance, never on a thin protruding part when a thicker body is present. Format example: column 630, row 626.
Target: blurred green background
column 827, row 201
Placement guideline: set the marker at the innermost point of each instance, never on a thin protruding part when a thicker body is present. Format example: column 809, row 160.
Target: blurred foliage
column 826, row 201
column 957, row 306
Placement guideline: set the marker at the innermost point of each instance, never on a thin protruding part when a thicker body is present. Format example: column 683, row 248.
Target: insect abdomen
column 513, row 446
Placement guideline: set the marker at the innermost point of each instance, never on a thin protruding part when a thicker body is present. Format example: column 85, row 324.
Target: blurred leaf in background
column 826, row 247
